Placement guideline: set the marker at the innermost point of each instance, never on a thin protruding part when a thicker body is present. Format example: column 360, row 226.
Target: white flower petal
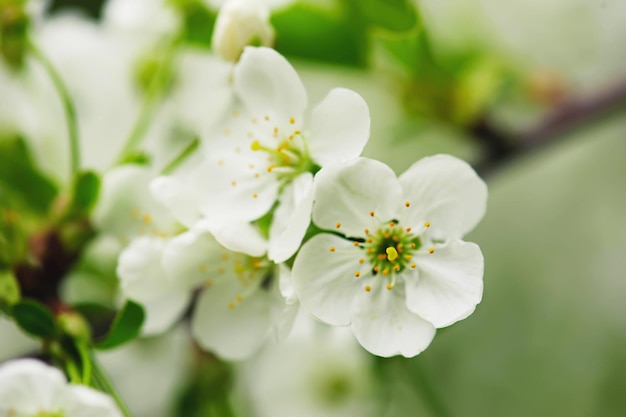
column 82, row 401
column 126, row 209
column 191, row 258
column 354, row 195
column 450, row 283
column 233, row 191
column 291, row 218
column 179, row 197
column 340, row 127
column 238, row 237
column 384, row 325
column 268, row 85
column 28, row 385
column 325, row 280
column 232, row 333
column 446, row 192
column 143, row 279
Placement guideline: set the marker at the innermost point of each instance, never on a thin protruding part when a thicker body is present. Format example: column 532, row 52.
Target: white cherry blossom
column 31, row 388
column 394, row 267
column 270, row 149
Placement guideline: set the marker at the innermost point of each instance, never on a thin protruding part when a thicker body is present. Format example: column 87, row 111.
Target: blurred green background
column 549, row 338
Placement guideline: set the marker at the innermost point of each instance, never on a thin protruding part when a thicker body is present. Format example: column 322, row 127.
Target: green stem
column 150, row 104
column 181, row 157
column 68, row 106
column 102, row 381
column 223, row 408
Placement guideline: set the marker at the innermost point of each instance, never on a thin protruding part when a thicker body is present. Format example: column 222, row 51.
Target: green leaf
column 125, row 327
column 316, row 34
column 85, row 193
column 21, row 181
column 9, row 288
column 392, row 15
column 35, row 319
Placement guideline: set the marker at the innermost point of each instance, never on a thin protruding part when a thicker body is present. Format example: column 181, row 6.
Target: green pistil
column 389, row 249
column 286, row 155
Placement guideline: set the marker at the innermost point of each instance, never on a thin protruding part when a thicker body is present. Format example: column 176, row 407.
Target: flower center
column 389, row 248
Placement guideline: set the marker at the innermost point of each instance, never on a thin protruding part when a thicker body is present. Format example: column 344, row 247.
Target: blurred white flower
column 317, row 371
column 401, row 271
column 137, row 370
column 268, row 151
column 241, row 23
column 31, row 388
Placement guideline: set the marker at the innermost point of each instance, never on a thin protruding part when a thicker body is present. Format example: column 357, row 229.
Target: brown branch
column 572, row 113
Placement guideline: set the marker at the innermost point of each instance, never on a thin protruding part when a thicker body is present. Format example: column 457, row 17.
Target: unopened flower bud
column 241, row 23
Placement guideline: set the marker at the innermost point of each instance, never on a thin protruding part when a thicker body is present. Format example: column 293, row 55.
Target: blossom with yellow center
column 394, row 267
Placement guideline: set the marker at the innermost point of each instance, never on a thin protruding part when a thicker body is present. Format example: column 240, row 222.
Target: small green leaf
column 9, row 289
column 20, row 180
column 86, row 191
column 34, row 318
column 316, row 34
column 125, row 327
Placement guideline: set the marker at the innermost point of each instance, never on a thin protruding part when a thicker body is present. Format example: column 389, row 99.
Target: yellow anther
column 225, row 256
column 271, row 168
column 267, row 118
column 255, row 195
column 368, row 288
column 372, row 214
column 208, row 282
column 255, row 145
column 408, row 257
column 257, row 175
column 367, row 231
column 356, row 244
column 392, row 253
column 395, row 239
column 387, row 235
column 202, row 268
column 407, row 204
column 370, row 240
column 427, row 224
column 147, row 219
column 389, row 287
column 396, row 267
column 250, row 135
column 375, row 269
column 227, row 132
column 290, row 137
column 296, row 132
column 256, row 264
column 239, row 298
column 370, row 250
column 338, row 225
column 255, row 120
column 231, row 305
column 385, row 271
column 382, row 256
column 332, row 249
column 412, row 245
column 233, row 183
column 392, row 224
column 220, row 162
column 292, row 120
column 236, row 113
column 431, row 250
column 408, row 229
column 357, row 274
column 361, row 261
column 413, row 265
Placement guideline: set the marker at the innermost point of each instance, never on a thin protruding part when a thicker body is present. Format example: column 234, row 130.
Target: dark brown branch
column 572, row 113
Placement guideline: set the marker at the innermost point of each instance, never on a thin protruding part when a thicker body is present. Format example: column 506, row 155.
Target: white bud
column 241, row 23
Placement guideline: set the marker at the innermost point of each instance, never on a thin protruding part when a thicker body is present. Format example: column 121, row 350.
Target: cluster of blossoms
column 273, row 211
column 382, row 254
